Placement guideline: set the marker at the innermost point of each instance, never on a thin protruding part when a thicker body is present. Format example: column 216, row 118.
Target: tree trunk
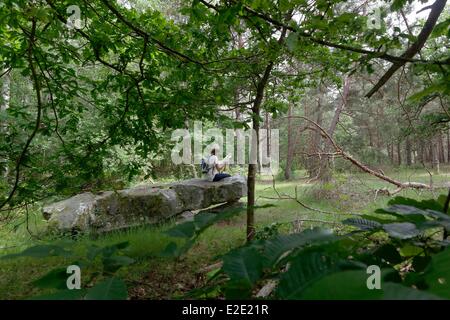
column 340, row 107
column 448, row 146
column 290, row 147
column 429, row 153
column 314, row 167
column 420, row 152
column 326, row 172
column 435, row 155
column 252, row 167
column 441, row 149
column 268, row 132
column 388, row 150
column 5, row 98
column 399, row 153
column 408, row 151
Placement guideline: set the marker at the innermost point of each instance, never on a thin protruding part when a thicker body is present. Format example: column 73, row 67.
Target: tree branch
column 436, row 11
column 400, row 185
column 309, row 36
column 37, row 88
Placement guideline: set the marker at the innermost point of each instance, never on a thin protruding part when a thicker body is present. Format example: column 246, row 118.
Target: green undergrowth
column 153, row 276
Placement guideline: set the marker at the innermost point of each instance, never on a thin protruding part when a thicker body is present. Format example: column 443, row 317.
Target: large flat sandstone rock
column 144, row 204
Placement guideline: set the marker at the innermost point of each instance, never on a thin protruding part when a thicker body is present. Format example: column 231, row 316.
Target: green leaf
column 398, row 4
column 402, row 230
column 409, row 250
column 419, row 263
column 346, row 285
column 438, row 215
column 276, row 247
column 404, row 209
column 432, row 89
column 394, row 291
column 183, row 230
column 238, row 290
column 213, row 273
column 61, row 295
column 201, row 222
column 377, row 219
column 170, row 250
column 347, row 17
column 284, row 5
column 92, row 252
column 292, row 41
column 40, row 251
column 243, row 264
column 112, row 249
column 305, row 269
column 416, row 212
column 405, row 212
column 112, row 264
column 441, row 29
column 437, row 275
column 109, row 289
column 56, row 278
column 363, row 224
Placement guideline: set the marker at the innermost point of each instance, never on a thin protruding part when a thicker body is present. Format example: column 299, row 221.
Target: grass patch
column 153, row 277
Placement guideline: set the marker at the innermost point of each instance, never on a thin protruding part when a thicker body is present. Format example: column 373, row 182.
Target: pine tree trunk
column 314, row 145
column 448, row 146
column 390, row 152
column 441, row 149
column 435, row 155
column 420, row 152
column 408, row 151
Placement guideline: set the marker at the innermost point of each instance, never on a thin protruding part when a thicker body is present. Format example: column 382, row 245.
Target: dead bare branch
column 400, row 185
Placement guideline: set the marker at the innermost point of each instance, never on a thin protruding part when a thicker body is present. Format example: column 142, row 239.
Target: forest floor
column 153, row 277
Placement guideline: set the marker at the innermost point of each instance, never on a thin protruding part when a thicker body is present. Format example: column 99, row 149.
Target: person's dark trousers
column 220, row 176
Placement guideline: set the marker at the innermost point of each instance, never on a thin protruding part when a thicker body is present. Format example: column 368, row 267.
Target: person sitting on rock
column 216, row 168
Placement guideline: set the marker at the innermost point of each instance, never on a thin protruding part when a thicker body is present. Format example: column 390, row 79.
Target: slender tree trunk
column 326, row 172
column 315, row 162
column 390, row 153
column 268, row 132
column 420, row 152
column 237, row 112
column 340, row 107
column 408, row 151
column 399, row 153
column 415, row 153
column 290, row 147
column 239, row 45
column 441, row 149
column 435, row 155
column 448, row 146
column 378, row 136
column 5, row 93
column 5, row 98
column 252, row 167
